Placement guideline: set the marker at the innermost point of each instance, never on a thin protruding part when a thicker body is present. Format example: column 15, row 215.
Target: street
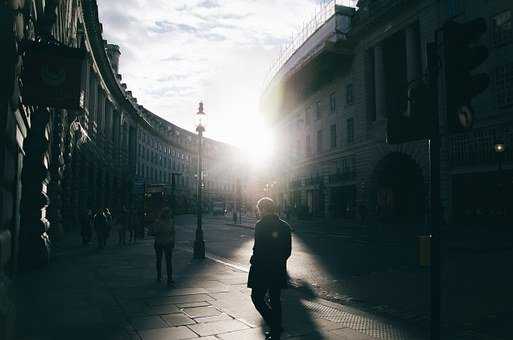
column 112, row 294
column 379, row 274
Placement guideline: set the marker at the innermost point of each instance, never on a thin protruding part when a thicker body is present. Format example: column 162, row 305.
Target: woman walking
column 164, row 229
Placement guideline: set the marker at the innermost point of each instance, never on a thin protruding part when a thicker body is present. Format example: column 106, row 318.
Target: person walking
column 101, row 227
column 86, row 223
column 268, row 271
column 133, row 222
column 164, row 229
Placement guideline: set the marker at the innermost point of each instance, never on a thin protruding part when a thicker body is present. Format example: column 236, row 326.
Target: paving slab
column 193, row 304
column 199, row 312
column 170, row 333
column 183, row 291
column 213, row 328
column 177, row 319
column 148, row 322
column 164, row 300
column 162, row 309
column 216, row 318
column 246, row 334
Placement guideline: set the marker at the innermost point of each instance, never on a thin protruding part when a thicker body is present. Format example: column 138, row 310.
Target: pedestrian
column 268, row 271
column 132, row 218
column 86, row 223
column 234, row 217
column 119, row 226
column 101, row 227
column 164, row 229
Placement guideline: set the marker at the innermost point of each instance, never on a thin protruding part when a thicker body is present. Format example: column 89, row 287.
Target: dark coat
column 271, row 250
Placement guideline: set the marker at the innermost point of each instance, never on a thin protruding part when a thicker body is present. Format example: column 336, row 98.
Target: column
column 379, row 82
column 34, row 247
column 412, row 53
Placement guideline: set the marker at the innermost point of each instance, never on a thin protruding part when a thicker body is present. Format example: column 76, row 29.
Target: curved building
column 333, row 89
column 56, row 163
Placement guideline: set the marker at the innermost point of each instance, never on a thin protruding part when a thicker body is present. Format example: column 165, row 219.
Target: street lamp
column 199, row 243
column 499, row 152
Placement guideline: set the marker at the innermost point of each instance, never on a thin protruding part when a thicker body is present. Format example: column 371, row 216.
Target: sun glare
column 256, row 143
column 252, row 137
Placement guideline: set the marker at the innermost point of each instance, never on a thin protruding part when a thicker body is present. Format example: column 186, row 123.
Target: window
column 319, row 141
column 349, row 94
column 350, row 130
column 333, row 103
column 308, row 146
column 333, row 136
column 317, row 110
column 454, row 7
column 308, row 115
column 504, row 85
column 502, row 31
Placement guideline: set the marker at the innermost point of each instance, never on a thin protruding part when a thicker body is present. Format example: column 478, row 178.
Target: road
column 336, row 266
column 381, row 274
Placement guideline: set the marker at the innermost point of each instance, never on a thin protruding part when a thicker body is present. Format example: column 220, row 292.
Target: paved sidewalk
column 112, row 294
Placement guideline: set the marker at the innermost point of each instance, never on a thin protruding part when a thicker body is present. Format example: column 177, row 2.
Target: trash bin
column 424, row 242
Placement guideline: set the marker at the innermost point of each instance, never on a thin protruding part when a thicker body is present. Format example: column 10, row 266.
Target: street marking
column 220, row 260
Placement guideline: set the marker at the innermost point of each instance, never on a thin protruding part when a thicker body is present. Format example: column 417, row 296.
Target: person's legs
column 158, row 253
column 275, row 297
column 169, row 263
column 258, row 298
column 132, row 234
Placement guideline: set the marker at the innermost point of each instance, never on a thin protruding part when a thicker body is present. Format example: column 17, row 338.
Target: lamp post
column 199, row 243
column 499, row 152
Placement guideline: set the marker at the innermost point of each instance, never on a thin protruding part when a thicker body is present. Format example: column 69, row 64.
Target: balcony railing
column 477, row 146
column 326, row 10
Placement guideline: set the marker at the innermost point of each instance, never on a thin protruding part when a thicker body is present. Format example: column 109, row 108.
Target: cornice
column 96, row 41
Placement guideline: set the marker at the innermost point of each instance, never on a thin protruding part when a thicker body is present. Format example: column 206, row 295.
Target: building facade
column 58, row 164
column 330, row 97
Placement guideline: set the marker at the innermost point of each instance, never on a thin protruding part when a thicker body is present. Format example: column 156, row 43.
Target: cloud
column 176, row 53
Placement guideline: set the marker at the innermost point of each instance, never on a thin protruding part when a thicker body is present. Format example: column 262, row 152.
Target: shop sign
column 52, row 77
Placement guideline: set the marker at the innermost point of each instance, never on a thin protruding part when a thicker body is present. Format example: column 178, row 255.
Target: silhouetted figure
column 234, row 216
column 164, row 229
column 101, row 227
column 268, row 272
column 132, row 224
column 86, row 223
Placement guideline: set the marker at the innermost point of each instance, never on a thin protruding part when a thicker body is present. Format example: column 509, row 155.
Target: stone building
column 56, row 164
column 332, row 90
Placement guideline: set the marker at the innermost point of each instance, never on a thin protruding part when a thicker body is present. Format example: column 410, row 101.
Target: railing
column 322, row 15
column 477, row 146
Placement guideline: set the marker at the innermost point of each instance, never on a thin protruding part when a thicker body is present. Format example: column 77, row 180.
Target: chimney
column 113, row 52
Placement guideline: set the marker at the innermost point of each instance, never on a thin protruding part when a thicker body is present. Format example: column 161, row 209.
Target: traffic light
column 415, row 122
column 462, row 55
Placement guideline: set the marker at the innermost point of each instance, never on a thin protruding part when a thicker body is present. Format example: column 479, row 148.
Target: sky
column 175, row 54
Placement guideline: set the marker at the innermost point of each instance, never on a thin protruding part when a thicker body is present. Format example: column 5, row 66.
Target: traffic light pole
column 434, row 162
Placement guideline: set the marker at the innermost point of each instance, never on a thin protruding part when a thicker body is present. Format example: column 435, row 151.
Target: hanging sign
column 52, row 77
